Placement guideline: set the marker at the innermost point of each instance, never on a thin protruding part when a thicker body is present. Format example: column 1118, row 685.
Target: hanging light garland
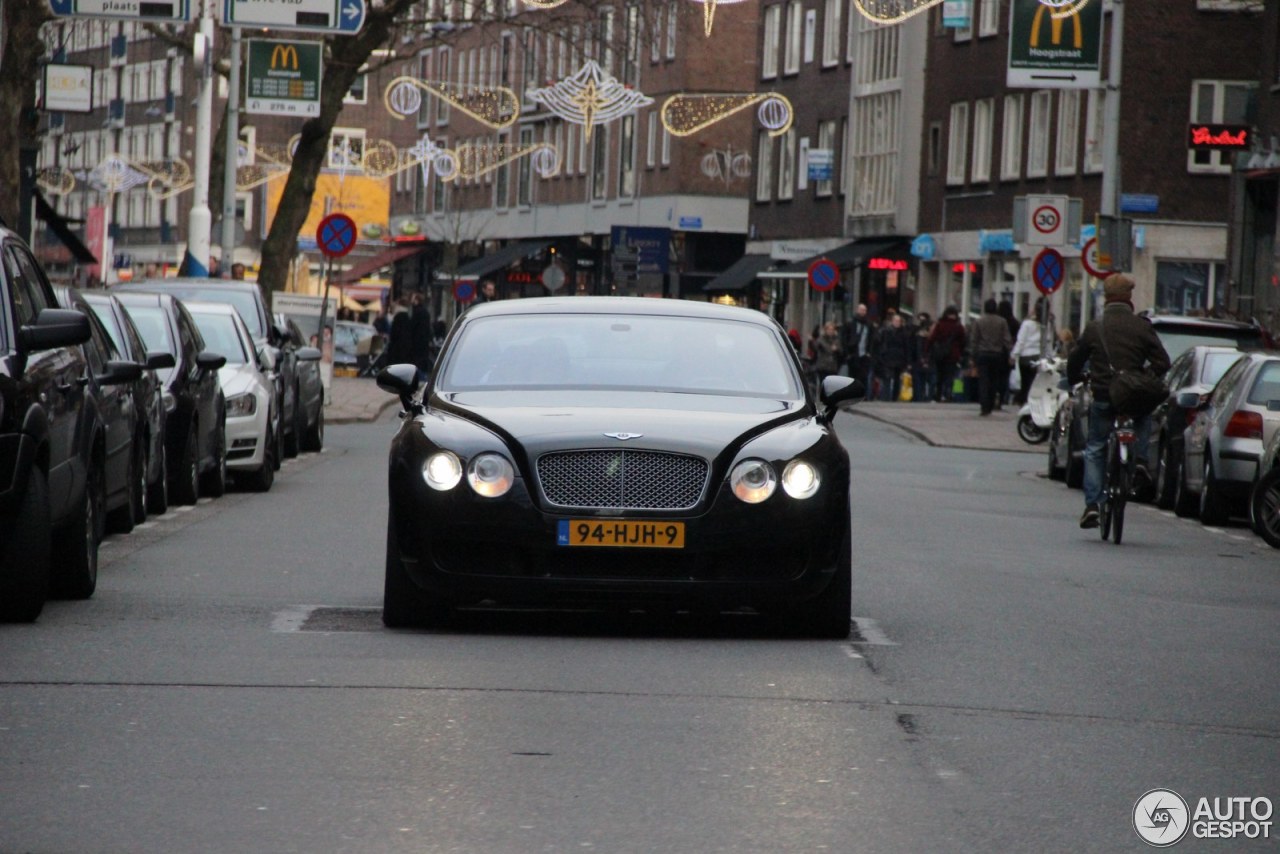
column 590, row 97
column 495, row 106
column 685, row 115
column 544, row 4
column 709, row 12
column 426, row 155
column 476, row 159
column 56, row 180
column 893, row 11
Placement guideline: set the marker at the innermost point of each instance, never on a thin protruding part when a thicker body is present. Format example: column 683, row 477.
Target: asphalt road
column 1016, row 684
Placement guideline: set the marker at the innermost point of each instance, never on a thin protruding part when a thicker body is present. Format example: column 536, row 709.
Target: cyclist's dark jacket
column 1132, row 342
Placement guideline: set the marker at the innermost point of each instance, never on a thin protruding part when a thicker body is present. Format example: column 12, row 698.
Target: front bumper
column 246, row 441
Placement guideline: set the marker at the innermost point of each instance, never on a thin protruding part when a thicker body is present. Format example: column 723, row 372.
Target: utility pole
column 231, row 159
column 200, row 222
column 1109, row 204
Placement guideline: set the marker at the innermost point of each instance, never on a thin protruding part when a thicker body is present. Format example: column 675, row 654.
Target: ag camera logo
column 1160, row 817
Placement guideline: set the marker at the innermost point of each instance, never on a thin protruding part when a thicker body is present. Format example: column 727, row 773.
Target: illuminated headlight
column 241, row 405
column 170, row 402
column 753, row 481
column 442, row 471
column 800, row 480
column 490, row 475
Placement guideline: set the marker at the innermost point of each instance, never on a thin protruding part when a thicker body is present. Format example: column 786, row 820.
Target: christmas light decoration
column 56, row 180
column 1064, row 8
column 726, row 164
column 476, row 159
column 709, row 12
column 893, row 11
column 544, row 4
column 685, row 115
column 115, row 174
column 590, row 97
column 495, row 106
column 426, row 155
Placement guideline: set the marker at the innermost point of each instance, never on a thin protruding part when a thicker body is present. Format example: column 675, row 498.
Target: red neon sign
column 1219, row 137
column 886, row 264
column 958, row 267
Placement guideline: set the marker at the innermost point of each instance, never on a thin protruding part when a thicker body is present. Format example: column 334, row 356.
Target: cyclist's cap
column 1118, row 287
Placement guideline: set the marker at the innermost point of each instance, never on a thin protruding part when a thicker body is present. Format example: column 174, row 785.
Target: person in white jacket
column 1027, row 350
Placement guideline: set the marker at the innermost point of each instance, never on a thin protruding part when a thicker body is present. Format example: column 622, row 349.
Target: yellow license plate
column 615, row 532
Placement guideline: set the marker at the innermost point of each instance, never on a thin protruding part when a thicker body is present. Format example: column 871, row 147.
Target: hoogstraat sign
column 283, row 78
column 1055, row 45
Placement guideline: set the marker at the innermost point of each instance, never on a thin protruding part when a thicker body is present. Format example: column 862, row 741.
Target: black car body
column 1070, row 430
column 148, row 392
column 195, row 441
column 51, row 442
column 624, row 431
column 307, row 432
column 122, row 407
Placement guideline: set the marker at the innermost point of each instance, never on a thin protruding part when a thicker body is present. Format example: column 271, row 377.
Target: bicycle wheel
column 1105, row 507
column 1119, row 498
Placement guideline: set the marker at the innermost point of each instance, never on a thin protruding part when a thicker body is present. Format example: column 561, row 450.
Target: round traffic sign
column 823, row 275
column 336, row 235
column 1089, row 259
column 1048, row 270
column 1046, row 219
column 464, row 290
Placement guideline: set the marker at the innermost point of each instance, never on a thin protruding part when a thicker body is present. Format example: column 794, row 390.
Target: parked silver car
column 1223, row 445
column 1264, row 501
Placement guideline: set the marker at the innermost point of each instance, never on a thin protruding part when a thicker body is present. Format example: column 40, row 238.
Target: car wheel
column 293, row 439
column 158, row 493
column 404, row 604
column 1166, row 478
column 262, row 479
column 74, row 573
column 828, row 614
column 186, row 488
column 1213, row 510
column 215, row 481
column 1265, row 507
column 1056, row 471
column 139, row 497
column 24, row 554
column 1075, row 464
column 1185, row 504
column 313, row 439
column 277, row 444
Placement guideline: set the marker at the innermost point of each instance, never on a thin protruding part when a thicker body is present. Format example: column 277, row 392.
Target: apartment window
column 935, row 148
column 673, row 27
column 439, row 190
column 444, row 58
column 1093, row 129
column 507, row 61
column 627, row 157
column 524, row 175
column 874, row 153
column 832, row 30
column 957, row 141
column 855, row 21
column 606, row 39
column 651, row 152
column 358, row 93
column 502, row 182
column 795, row 35
column 559, row 143
column 1011, row 139
column 655, row 33
column 346, row 148
column 984, row 115
column 583, row 139
column 764, row 167
column 1038, row 140
column 569, row 148
column 827, row 142
column 425, row 63
column 842, row 155
column 772, row 35
column 666, row 147
column 1068, row 144
column 631, row 45
column 562, row 55
column 988, row 17
column 530, row 70
column 600, row 164
column 1217, row 102
column 787, row 165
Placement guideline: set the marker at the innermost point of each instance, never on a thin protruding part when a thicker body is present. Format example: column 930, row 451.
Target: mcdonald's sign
column 1055, row 46
column 283, row 78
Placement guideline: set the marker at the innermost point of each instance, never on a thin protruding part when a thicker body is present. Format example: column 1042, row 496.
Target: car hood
column 694, row 423
column 238, row 379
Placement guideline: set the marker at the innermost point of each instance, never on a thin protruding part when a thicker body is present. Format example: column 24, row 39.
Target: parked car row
column 1214, row 449
column 118, row 404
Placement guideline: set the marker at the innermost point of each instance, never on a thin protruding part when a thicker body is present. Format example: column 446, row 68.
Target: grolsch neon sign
column 1209, row 137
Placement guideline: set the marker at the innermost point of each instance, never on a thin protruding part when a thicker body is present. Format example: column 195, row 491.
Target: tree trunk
column 19, row 120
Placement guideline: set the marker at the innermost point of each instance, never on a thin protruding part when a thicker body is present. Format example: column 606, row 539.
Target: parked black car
column 307, row 432
column 148, row 394
column 51, row 443
column 195, row 412
column 124, row 418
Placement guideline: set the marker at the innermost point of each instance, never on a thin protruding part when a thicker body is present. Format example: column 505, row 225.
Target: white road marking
column 872, row 634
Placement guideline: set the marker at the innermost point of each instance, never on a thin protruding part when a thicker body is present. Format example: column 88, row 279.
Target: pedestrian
column 922, row 376
column 1027, row 351
column 1004, row 392
column 420, row 335
column 488, row 291
column 827, row 352
column 1066, row 343
column 237, row 271
column 989, row 353
column 858, row 343
column 400, row 347
column 946, row 345
column 895, row 352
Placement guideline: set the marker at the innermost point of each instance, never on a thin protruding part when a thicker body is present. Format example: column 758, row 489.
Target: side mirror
column 1191, row 400
column 159, row 360
column 54, row 327
column 837, row 392
column 308, row 354
column 401, row 380
column 118, row 372
column 209, row 361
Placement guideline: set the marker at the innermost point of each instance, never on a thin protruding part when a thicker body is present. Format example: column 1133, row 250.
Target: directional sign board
column 1047, row 220
column 1054, row 45
column 1048, row 270
column 132, row 10
column 823, row 275
column 336, row 235
column 283, row 78
column 344, row 17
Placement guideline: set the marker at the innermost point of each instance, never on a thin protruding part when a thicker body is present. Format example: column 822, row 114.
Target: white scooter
column 1035, row 419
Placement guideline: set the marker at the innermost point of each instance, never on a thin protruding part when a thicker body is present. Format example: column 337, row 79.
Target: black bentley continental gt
column 619, row 451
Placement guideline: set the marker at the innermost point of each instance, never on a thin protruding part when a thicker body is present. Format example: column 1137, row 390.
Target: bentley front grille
column 622, row 480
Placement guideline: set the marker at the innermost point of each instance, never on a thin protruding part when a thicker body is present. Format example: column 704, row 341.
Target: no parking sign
column 464, row 290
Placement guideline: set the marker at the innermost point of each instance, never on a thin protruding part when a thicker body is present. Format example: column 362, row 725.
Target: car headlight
column 170, row 402
column 241, row 404
column 753, row 481
column 800, row 480
column 491, row 475
column 442, row 470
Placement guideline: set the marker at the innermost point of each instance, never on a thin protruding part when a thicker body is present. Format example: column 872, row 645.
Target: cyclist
column 1133, row 345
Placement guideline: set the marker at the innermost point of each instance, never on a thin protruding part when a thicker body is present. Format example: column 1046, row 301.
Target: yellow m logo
column 1055, row 26
column 284, row 54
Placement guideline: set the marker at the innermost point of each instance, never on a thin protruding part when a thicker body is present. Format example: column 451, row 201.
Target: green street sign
column 283, row 78
column 1055, row 45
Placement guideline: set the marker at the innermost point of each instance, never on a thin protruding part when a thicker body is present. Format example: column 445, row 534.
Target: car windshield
column 1266, row 387
column 241, row 301
column 1215, row 365
column 1179, row 339
column 220, row 335
column 153, row 326
column 630, row 352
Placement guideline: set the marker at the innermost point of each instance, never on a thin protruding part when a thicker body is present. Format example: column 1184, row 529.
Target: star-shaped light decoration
column 590, row 97
column 709, row 12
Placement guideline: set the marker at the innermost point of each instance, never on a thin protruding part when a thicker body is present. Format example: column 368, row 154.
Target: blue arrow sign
column 345, row 17
column 129, row 10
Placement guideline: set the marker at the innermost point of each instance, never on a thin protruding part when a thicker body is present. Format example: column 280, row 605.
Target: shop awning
column 58, row 225
column 501, row 259
column 845, row 257
column 372, row 264
column 739, row 274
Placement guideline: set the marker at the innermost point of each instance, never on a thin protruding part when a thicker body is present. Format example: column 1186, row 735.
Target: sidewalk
column 944, row 425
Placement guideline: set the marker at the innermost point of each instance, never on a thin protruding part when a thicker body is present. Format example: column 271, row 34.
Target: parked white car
column 252, row 420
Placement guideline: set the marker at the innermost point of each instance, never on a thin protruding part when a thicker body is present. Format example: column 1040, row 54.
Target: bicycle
column 1117, row 477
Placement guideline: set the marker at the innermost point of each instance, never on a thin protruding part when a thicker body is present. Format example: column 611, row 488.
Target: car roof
column 619, row 305
column 142, row 297
column 204, row 307
column 1203, row 323
column 190, row 281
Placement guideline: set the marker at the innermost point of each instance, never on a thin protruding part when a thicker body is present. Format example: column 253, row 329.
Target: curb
column 356, row 419
column 1029, row 449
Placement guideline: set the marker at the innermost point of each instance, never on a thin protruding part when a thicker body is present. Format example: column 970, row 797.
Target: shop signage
column 649, row 248
column 886, row 264
column 284, row 78
column 1202, row 137
column 1050, row 48
column 68, row 88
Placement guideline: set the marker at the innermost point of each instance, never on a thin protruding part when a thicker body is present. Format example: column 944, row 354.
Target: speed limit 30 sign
column 1047, row 220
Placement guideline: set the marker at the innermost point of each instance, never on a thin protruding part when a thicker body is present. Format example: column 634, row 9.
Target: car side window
column 29, row 296
column 1229, row 380
column 136, row 344
column 1178, row 370
column 99, row 345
